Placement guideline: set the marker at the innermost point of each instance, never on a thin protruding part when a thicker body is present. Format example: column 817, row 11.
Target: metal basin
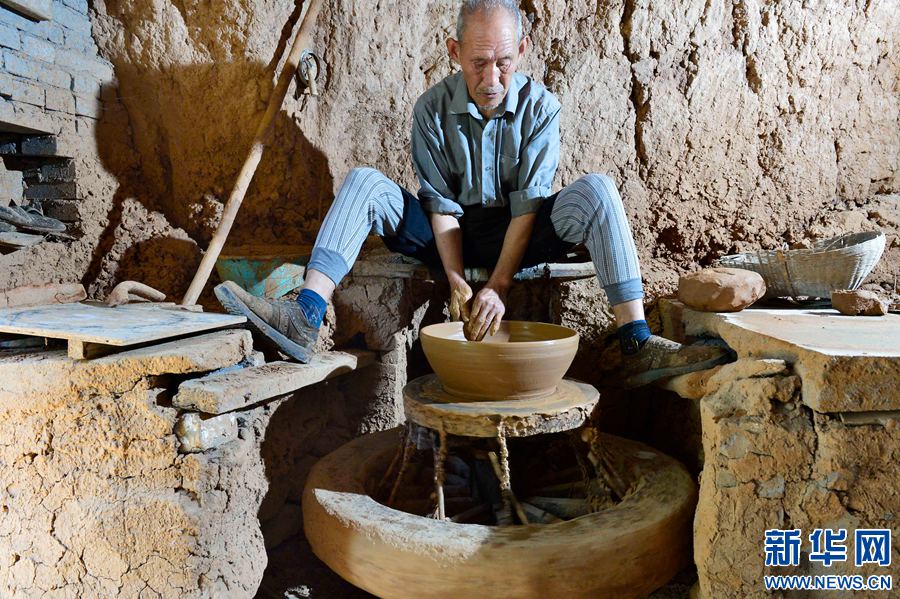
column 523, row 360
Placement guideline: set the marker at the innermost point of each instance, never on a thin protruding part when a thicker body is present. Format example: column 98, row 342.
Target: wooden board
column 125, row 325
column 408, row 270
column 224, row 392
column 39, row 10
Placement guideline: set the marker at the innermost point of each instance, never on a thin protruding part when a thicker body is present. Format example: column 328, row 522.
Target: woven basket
column 839, row 263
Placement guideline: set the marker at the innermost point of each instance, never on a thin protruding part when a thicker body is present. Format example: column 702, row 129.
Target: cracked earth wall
column 773, row 463
column 729, row 126
column 98, row 499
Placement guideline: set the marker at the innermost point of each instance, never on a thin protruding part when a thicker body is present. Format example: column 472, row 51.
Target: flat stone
column 721, row 289
column 223, row 392
column 40, row 10
column 744, row 368
column 696, row 385
column 859, row 302
column 846, row 364
column 36, row 379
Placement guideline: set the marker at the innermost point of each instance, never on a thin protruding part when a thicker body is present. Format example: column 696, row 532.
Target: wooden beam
column 225, row 392
column 39, row 10
column 406, row 270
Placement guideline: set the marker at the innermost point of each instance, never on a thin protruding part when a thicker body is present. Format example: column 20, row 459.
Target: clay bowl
column 523, row 360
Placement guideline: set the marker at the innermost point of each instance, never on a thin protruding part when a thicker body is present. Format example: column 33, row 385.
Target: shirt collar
column 462, row 103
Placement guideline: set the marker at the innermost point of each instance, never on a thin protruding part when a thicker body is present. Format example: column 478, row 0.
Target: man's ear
column 453, row 49
column 523, row 46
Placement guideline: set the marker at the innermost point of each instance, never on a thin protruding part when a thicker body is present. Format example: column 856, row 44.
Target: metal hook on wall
column 308, row 73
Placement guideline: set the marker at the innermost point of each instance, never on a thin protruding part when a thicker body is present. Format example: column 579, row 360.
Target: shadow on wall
column 175, row 142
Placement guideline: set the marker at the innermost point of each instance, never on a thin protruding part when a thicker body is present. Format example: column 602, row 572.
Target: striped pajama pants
column 589, row 212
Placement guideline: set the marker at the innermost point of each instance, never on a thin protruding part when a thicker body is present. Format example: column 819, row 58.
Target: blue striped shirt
column 463, row 159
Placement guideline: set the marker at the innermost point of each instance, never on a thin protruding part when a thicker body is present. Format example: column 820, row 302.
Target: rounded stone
column 721, row 289
column 859, row 302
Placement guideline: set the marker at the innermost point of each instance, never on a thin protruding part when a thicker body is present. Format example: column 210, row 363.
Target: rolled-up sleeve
column 431, row 167
column 539, row 160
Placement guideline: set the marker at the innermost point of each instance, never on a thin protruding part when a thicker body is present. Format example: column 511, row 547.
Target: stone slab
column 696, row 385
column 846, row 363
column 228, row 391
column 427, row 404
column 29, row 380
column 19, row 117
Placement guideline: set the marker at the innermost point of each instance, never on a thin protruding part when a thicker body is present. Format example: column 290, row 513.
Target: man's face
column 489, row 56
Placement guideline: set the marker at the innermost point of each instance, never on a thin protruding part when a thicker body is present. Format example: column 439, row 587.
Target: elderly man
column 485, row 147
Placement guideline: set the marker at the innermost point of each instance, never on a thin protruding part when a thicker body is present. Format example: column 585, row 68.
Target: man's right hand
column 460, row 294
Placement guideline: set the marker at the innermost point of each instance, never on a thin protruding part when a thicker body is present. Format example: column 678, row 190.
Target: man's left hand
column 487, row 313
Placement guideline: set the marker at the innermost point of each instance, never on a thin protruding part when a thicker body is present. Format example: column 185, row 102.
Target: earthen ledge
column 32, row 380
column 846, row 363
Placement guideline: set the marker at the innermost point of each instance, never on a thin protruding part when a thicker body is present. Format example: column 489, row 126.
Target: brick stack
column 50, row 84
column 49, row 66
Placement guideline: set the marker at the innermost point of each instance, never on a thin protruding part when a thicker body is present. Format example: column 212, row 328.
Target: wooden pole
column 252, row 161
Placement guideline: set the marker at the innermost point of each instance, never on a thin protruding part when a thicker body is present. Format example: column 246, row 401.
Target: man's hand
column 487, row 314
column 489, row 305
column 460, row 294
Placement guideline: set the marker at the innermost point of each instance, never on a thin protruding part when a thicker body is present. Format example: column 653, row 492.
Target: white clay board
column 120, row 326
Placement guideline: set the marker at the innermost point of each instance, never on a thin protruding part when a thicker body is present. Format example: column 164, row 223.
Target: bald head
column 470, row 7
column 488, row 48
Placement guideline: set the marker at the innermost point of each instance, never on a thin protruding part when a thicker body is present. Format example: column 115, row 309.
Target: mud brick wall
column 51, row 72
column 729, row 126
column 50, row 84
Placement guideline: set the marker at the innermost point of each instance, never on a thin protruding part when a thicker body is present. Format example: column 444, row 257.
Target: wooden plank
column 120, row 326
column 39, row 10
column 567, row 270
column 37, row 295
column 406, row 270
column 225, row 392
column 83, row 350
column 391, row 270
